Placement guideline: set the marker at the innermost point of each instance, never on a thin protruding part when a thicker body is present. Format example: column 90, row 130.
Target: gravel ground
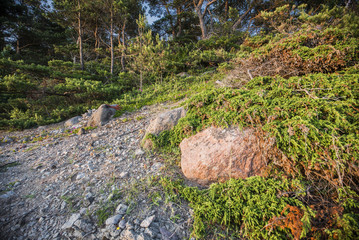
column 54, row 181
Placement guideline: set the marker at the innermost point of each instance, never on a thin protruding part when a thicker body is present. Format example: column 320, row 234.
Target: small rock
column 122, row 224
column 136, row 221
column 123, row 174
column 121, row 209
column 7, row 139
column 150, row 233
column 129, row 226
column 72, row 121
column 156, row 167
column 147, row 222
column 71, row 221
column 89, row 198
column 95, row 135
column 87, row 114
column 81, row 131
column 164, row 121
column 83, row 225
column 78, row 234
column 128, row 234
column 142, row 236
column 139, row 152
column 63, row 205
column 115, row 233
column 183, row 74
column 166, row 235
column 7, row 195
column 80, row 175
column 83, row 211
column 113, row 220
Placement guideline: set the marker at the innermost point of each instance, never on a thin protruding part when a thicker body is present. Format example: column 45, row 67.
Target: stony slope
column 53, row 183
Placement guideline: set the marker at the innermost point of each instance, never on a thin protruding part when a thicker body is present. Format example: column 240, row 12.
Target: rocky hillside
column 60, row 182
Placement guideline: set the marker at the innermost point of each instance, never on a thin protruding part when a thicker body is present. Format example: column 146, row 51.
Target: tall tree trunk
column 97, row 41
column 202, row 24
column 179, row 22
column 171, row 20
column 211, row 25
column 123, row 46
column 111, row 42
column 141, row 68
column 18, row 46
column 80, row 35
column 198, row 7
column 226, row 11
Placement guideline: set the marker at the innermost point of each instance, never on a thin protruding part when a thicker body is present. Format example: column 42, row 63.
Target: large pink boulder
column 220, row 154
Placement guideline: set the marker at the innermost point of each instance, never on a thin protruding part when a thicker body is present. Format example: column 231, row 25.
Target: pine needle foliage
column 246, row 207
column 313, row 118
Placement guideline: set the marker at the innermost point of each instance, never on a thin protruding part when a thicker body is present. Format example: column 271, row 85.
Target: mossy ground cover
column 314, row 119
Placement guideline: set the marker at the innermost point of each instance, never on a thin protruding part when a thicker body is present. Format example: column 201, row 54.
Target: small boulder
column 220, row 154
column 102, row 115
column 73, row 121
column 164, row 121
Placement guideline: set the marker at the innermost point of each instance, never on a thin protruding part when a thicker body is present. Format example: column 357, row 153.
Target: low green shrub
column 249, row 208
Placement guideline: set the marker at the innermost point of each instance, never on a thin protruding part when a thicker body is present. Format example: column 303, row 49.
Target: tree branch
column 235, row 25
column 208, row 4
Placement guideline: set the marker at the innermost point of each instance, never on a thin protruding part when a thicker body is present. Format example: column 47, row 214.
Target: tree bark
column 111, row 41
column 171, row 20
column 123, row 46
column 235, row 25
column 18, row 46
column 202, row 24
column 179, row 21
column 80, row 35
column 198, row 7
column 226, row 11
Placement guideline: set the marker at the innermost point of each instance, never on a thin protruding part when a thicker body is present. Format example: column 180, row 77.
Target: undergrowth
column 247, row 208
column 314, row 121
column 175, row 89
